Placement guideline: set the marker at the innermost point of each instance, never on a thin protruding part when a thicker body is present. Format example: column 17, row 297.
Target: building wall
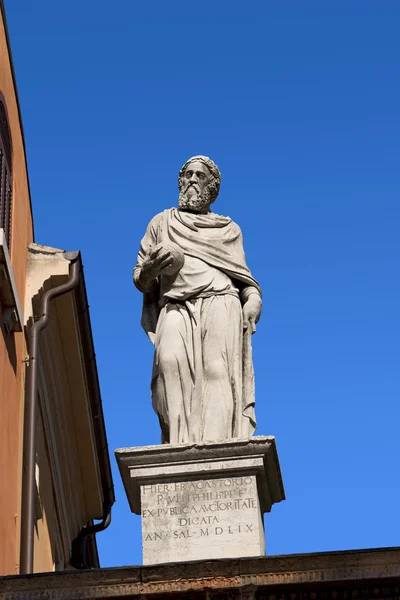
column 12, row 345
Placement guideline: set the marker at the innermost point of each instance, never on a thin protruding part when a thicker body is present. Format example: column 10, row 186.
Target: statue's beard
column 191, row 198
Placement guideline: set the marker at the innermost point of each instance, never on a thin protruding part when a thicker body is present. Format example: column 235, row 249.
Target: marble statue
column 200, row 307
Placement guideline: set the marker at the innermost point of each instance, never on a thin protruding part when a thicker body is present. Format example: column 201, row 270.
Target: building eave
column 98, row 421
column 94, row 388
column 56, row 292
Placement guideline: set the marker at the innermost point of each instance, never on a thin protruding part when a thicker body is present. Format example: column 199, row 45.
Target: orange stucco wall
column 12, row 346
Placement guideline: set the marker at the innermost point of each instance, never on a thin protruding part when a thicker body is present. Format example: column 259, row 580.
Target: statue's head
column 198, row 182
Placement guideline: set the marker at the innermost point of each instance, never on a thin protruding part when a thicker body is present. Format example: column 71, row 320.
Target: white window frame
column 12, row 312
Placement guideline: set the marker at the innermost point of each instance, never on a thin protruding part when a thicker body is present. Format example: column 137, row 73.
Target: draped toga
column 203, row 379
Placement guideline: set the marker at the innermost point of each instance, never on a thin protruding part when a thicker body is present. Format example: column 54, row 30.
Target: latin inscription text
column 199, row 509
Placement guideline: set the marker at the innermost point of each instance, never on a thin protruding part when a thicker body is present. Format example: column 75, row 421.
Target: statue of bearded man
column 201, row 305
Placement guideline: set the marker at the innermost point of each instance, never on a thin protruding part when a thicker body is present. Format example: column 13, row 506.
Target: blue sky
column 297, row 102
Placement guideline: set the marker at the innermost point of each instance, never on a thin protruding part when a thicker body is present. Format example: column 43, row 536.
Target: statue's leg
column 171, row 386
column 221, row 323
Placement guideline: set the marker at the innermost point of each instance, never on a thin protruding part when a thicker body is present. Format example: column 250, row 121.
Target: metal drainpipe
column 79, row 544
column 31, row 409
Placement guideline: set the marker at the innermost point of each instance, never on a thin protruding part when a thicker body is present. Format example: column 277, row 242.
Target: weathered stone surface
column 358, row 574
column 202, row 500
column 213, row 518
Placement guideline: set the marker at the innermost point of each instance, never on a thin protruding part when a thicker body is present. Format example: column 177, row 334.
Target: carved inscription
column 187, row 516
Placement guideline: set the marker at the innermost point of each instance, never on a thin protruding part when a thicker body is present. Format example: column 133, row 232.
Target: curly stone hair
column 215, row 179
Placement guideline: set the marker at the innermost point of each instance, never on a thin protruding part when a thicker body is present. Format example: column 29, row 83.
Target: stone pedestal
column 202, row 501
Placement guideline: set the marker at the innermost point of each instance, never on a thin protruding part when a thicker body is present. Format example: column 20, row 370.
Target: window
column 5, row 176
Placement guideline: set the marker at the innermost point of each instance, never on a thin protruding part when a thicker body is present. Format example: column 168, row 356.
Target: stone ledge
column 214, row 459
column 185, row 452
column 317, row 576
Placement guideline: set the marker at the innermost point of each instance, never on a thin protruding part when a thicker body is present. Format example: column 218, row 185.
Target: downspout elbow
column 79, row 544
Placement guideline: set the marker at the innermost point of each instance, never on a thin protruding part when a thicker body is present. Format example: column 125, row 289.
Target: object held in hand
column 177, row 258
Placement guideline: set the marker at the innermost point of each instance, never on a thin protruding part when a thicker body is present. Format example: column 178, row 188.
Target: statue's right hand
column 162, row 257
column 159, row 259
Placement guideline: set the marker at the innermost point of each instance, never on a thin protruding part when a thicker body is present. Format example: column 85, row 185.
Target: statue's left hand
column 252, row 312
